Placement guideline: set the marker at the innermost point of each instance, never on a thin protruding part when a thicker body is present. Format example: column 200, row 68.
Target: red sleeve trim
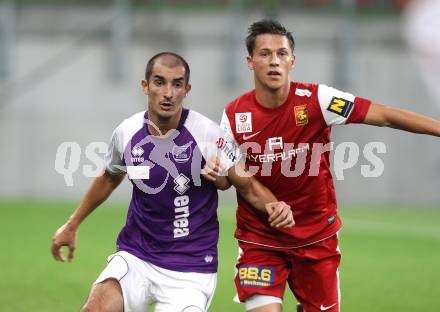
column 360, row 110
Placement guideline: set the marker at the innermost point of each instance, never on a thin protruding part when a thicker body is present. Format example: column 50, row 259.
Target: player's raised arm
column 385, row 116
column 98, row 192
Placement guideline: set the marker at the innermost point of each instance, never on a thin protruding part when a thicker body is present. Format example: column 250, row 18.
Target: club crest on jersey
column 301, row 115
column 243, row 122
column 340, row 106
column 181, row 154
column 137, row 152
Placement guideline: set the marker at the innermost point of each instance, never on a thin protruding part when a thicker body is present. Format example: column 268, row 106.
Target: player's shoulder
column 136, row 119
column 196, row 118
column 131, row 124
column 200, row 125
column 327, row 93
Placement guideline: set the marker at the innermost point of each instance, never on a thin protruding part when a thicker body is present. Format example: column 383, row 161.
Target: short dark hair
column 267, row 26
column 178, row 60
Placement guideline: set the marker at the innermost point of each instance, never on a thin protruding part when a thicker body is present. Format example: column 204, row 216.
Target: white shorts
column 144, row 284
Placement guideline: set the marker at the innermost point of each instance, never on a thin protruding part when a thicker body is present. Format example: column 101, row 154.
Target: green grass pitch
column 391, row 257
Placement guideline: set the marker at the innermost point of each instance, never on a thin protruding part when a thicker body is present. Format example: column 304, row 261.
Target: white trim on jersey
column 207, row 135
column 342, row 111
column 119, row 140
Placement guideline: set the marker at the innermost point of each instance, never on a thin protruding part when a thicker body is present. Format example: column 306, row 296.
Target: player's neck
column 162, row 126
column 271, row 98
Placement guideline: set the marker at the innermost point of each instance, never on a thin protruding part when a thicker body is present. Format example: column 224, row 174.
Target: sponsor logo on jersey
column 301, row 115
column 228, row 147
column 243, row 122
column 256, row 276
column 250, row 136
column 325, row 308
column 181, row 207
column 331, row 220
column 181, row 216
column 280, row 156
column 181, row 184
column 181, row 154
column 220, row 142
column 208, row 258
column 137, row 152
column 303, row 92
column 275, row 143
column 340, row 106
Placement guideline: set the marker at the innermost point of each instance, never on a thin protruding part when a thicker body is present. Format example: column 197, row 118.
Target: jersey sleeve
column 225, row 148
column 225, row 125
column 113, row 157
column 340, row 108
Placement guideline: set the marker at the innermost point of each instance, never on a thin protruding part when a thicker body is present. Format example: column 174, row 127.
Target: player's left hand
column 280, row 215
column 64, row 236
column 212, row 169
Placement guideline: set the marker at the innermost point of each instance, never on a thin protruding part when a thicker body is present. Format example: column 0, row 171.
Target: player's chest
column 160, row 162
column 298, row 122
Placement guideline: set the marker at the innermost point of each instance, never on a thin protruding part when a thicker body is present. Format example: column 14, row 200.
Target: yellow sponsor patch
column 256, row 276
column 301, row 116
column 339, row 106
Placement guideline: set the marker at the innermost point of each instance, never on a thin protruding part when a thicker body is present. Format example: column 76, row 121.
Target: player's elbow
column 224, row 187
column 379, row 115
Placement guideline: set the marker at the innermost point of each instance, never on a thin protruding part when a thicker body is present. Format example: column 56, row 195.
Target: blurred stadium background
column 70, row 71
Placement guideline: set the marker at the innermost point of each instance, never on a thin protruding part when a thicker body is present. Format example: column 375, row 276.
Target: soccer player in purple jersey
column 167, row 250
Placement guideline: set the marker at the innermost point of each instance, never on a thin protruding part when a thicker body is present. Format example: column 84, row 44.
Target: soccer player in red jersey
column 284, row 128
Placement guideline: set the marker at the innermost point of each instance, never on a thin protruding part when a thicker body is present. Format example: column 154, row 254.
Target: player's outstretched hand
column 212, row 168
column 64, row 236
column 280, row 215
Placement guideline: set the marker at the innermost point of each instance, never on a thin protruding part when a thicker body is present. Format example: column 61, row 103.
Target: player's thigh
column 315, row 279
column 105, row 296
column 261, row 271
column 130, row 274
column 184, row 291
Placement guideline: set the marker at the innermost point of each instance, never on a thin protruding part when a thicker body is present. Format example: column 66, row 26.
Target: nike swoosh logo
column 250, row 136
column 325, row 308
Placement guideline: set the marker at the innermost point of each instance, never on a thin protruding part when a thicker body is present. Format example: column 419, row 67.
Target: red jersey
column 287, row 149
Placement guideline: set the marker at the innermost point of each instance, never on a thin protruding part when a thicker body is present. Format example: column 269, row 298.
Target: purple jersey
column 172, row 217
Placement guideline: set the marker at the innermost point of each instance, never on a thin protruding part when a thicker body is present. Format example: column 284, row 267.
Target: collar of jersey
column 182, row 120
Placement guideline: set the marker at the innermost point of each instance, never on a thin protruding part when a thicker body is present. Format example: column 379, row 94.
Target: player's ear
column 250, row 62
column 187, row 89
column 293, row 60
column 144, row 85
